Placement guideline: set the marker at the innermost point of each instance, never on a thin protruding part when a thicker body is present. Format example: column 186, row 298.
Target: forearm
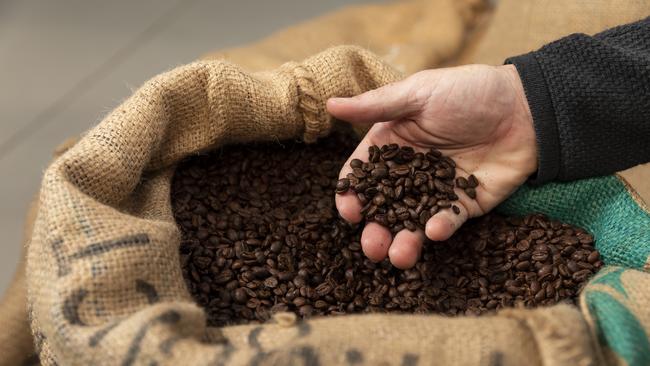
column 590, row 101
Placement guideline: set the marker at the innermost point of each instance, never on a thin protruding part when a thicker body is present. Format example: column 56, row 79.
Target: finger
column 348, row 204
column 375, row 241
column 390, row 102
column 406, row 248
column 444, row 224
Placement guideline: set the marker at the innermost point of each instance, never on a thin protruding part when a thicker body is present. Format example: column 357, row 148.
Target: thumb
column 390, row 102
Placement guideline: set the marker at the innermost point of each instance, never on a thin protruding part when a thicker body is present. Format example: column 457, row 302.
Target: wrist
column 523, row 119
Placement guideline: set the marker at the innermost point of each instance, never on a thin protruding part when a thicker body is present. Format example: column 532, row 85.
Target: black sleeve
column 590, row 101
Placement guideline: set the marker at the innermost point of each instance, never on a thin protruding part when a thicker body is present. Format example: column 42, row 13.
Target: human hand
column 477, row 114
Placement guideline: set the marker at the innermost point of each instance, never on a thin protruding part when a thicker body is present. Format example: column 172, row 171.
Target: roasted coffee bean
column 593, row 257
column 240, row 296
column 470, row 192
column 461, row 182
column 261, row 235
column 356, row 163
column 472, row 182
column 342, row 185
column 443, row 203
column 373, row 154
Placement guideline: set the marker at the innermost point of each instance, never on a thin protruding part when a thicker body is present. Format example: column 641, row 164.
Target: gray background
column 64, row 64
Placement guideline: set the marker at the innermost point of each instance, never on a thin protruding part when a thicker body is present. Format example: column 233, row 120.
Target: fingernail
column 336, row 100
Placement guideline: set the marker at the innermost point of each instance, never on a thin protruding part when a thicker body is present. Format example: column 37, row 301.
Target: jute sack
column 103, row 273
column 411, row 35
column 16, row 343
column 616, row 303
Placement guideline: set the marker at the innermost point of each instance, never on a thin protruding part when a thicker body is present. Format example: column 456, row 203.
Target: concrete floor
column 64, row 64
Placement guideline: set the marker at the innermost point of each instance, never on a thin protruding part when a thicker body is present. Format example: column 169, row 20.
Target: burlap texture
column 16, row 344
column 411, row 35
column 103, row 271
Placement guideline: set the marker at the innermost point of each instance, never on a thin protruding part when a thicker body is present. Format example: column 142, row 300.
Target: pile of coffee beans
column 402, row 189
column 261, row 234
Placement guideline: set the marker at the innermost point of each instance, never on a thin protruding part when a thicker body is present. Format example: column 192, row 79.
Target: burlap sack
column 411, row 35
column 16, row 343
column 104, row 281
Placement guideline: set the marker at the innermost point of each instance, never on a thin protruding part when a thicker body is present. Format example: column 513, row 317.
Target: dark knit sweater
column 590, row 101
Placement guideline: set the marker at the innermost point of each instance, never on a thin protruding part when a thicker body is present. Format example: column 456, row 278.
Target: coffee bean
column 401, row 170
column 240, row 296
column 342, row 185
column 472, row 182
column 581, row 275
column 410, row 225
column 470, row 192
column 535, row 287
column 271, row 282
column 424, row 217
column 379, row 172
column 545, row 272
column 523, row 265
column 359, row 173
column 379, row 199
column 455, row 209
column 572, row 266
column 410, row 202
column 373, row 154
column 461, row 182
column 268, row 238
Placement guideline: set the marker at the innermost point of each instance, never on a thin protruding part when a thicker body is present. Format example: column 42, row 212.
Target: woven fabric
column 603, row 206
column 103, row 274
column 410, row 35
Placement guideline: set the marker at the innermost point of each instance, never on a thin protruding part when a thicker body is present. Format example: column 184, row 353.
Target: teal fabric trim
column 602, row 206
column 619, row 328
column 612, row 279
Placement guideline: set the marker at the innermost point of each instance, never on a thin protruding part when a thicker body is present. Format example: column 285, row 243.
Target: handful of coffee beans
column 261, row 234
column 402, row 189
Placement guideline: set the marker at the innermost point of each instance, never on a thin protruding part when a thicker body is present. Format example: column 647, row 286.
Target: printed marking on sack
column 168, row 317
column 353, row 356
column 303, row 329
column 95, row 249
column 410, row 359
column 100, row 334
column 226, row 351
column 71, row 306
column 306, row 354
column 496, row 358
column 166, row 346
column 148, row 290
column 252, row 338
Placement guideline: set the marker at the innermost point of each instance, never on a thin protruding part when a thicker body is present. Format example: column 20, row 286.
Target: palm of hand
column 475, row 114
